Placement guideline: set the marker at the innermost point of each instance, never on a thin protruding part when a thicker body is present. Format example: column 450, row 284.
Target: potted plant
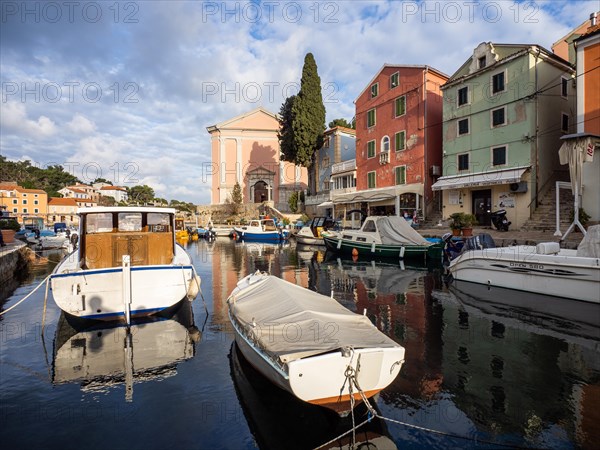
column 9, row 227
column 468, row 221
column 456, row 223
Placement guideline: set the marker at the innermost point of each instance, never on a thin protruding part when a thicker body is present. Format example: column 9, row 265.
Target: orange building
column 63, row 210
column 21, row 202
column 399, row 140
column 245, row 150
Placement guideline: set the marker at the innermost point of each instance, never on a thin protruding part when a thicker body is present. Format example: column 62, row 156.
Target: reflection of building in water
column 231, row 261
column 509, row 379
column 399, row 303
column 107, row 354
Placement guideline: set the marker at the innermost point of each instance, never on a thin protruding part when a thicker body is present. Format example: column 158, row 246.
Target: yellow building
column 63, row 210
column 22, row 203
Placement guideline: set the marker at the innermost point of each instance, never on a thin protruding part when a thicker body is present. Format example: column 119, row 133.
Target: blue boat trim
column 122, row 314
column 119, row 269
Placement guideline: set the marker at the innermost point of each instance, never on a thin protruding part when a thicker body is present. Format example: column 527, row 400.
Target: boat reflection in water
column 279, row 420
column 105, row 355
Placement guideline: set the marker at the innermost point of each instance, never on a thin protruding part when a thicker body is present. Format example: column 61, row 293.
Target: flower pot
column 467, row 231
column 455, row 231
column 8, row 236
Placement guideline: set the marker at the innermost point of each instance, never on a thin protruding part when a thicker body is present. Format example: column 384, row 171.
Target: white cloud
column 13, row 119
column 81, row 125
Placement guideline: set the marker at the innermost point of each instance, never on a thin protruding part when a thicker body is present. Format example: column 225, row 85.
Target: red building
column 398, row 141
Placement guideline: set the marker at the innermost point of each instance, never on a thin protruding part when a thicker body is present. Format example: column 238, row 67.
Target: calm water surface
column 483, row 374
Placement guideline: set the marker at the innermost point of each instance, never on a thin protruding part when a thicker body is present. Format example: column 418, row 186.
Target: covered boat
column 545, row 268
column 383, row 236
column 309, row 344
column 127, row 264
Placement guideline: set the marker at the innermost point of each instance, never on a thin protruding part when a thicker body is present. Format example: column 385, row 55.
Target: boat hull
column 267, row 236
column 346, row 247
column 319, row 379
column 98, row 294
column 309, row 240
column 519, row 267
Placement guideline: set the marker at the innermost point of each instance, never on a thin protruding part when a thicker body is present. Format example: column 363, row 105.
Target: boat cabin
column 320, row 224
column 262, row 224
column 146, row 234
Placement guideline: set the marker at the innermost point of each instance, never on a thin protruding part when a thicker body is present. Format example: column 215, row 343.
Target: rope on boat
column 26, row 297
column 351, row 374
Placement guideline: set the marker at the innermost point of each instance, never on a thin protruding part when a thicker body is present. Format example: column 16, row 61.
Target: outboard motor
column 499, row 220
column 479, row 242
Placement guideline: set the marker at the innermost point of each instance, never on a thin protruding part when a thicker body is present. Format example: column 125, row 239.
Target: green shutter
column 370, row 149
column 400, row 140
column 400, row 106
column 401, row 175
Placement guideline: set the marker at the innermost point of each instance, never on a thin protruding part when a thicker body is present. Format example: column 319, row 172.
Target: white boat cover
column 396, row 230
column 292, row 322
column 589, row 246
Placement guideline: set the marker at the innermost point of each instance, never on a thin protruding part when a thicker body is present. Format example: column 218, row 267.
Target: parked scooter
column 499, row 220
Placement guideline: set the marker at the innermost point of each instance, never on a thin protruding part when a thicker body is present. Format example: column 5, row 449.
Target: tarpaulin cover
column 290, row 322
column 590, row 244
column 396, row 230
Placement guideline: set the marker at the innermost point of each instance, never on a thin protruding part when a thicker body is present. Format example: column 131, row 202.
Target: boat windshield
column 99, row 223
column 369, row 226
column 130, row 221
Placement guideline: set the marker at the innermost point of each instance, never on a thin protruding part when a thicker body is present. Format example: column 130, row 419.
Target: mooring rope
column 350, row 378
column 26, row 297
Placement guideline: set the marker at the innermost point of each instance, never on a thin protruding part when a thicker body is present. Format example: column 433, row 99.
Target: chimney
column 593, row 19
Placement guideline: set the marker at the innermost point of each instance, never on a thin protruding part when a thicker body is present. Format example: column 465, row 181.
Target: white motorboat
column 544, row 268
column 310, row 234
column 261, row 230
column 127, row 264
column 309, row 344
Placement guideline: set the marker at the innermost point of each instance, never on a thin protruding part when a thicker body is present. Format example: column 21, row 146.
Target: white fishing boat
column 545, row 268
column 311, row 232
column 309, row 344
column 261, row 230
column 127, row 264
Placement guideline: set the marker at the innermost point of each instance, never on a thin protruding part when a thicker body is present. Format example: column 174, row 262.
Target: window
column 15, row 210
column 400, row 138
column 326, row 142
column 498, row 117
column 36, row 202
column 564, row 88
column 463, row 96
column 463, row 161
column 15, row 201
column 371, row 184
column 36, row 210
column 371, row 118
column 25, row 211
column 371, row 149
column 400, row 175
column 400, row 106
column 326, row 161
column 499, row 156
column 374, row 90
column 394, row 80
column 24, row 201
column 385, row 144
column 481, row 62
column 564, row 123
column 99, row 223
column 369, row 226
column 463, row 126
column 498, row 83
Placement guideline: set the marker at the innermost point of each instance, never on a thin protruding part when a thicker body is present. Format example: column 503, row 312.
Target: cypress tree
column 286, row 132
column 308, row 114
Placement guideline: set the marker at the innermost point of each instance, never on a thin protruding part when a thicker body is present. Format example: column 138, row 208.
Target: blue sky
column 126, row 90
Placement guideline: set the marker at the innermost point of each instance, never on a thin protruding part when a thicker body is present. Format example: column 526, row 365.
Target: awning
column 325, row 205
column 492, row 177
column 376, row 195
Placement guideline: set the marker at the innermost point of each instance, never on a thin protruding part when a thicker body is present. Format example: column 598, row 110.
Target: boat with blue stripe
column 261, row 230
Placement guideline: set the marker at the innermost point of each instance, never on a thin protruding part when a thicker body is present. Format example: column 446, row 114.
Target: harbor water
column 484, row 368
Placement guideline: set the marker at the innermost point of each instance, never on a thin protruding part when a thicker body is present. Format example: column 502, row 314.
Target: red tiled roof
column 58, row 201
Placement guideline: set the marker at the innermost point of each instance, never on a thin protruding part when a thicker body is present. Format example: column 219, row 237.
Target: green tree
column 341, row 123
column 308, row 114
column 236, row 199
column 140, row 194
column 286, row 130
column 101, row 180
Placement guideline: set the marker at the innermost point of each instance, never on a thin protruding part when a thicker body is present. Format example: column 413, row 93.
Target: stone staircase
column 544, row 217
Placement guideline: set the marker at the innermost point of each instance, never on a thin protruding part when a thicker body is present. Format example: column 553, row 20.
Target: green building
column 504, row 112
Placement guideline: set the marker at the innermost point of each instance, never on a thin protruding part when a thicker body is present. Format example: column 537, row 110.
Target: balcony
column 344, row 166
column 344, row 190
column 316, row 199
column 384, row 157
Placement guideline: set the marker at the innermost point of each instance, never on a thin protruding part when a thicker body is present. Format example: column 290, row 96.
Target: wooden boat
column 544, row 269
column 311, row 233
column 261, row 230
column 181, row 232
column 383, row 237
column 309, row 344
column 127, row 264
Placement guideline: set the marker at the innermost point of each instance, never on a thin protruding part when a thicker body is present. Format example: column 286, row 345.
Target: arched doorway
column 261, row 192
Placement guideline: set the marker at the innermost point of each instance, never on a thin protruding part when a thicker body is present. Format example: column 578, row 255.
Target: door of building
column 482, row 205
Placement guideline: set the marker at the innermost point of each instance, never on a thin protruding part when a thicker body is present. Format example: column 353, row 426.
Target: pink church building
column 245, row 149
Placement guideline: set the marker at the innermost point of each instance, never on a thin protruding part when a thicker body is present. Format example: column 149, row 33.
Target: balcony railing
column 343, row 166
column 344, row 190
column 316, row 199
